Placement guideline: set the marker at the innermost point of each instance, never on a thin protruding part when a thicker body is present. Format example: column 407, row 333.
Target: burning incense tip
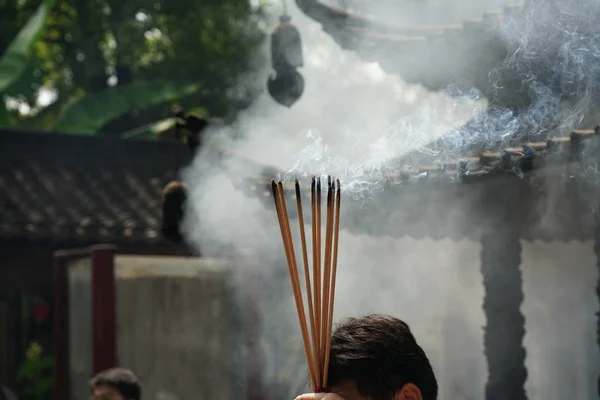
column 274, row 186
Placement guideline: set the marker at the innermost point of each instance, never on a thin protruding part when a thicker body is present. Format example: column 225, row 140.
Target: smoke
column 353, row 121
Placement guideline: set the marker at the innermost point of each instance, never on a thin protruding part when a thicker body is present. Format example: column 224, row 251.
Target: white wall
column 420, row 281
column 563, row 359
column 436, row 286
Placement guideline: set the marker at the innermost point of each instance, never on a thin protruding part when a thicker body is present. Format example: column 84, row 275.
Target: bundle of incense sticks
column 320, row 285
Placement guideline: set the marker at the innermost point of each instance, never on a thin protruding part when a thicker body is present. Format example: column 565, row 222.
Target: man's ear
column 409, row 392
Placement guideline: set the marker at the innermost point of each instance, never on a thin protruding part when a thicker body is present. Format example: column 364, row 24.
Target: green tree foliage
column 133, row 60
column 15, row 63
column 35, row 375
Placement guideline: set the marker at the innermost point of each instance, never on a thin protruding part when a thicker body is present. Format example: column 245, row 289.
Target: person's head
column 376, row 357
column 115, row 384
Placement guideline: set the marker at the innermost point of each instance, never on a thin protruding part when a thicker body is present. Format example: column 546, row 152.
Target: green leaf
column 28, row 83
column 90, row 113
column 34, row 367
column 5, row 118
column 47, row 118
column 200, row 111
column 151, row 131
column 15, row 60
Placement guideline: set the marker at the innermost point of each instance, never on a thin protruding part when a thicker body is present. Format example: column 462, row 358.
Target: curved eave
column 467, row 51
column 441, row 207
column 580, row 146
column 426, row 209
column 329, row 16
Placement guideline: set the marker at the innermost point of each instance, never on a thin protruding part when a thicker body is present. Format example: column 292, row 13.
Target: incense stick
column 286, row 235
column 321, row 289
column 307, row 279
column 326, row 272
column 338, row 201
column 317, row 277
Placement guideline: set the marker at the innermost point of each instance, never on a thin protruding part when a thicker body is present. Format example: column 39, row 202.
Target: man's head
column 377, row 358
column 115, row 384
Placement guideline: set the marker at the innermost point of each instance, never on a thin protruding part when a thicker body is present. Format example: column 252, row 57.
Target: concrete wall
column 173, row 326
column 80, row 327
column 560, row 304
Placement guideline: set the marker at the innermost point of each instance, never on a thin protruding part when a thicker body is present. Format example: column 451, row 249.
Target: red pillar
column 103, row 308
column 61, row 331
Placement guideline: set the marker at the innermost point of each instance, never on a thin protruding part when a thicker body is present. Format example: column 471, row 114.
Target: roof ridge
column 318, row 11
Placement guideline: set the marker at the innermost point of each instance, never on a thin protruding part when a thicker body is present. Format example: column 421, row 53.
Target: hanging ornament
column 286, row 88
column 286, row 46
column 286, row 84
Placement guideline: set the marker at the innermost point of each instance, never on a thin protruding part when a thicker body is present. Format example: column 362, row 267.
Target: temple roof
column 64, row 188
column 545, row 186
column 462, row 54
column 515, row 161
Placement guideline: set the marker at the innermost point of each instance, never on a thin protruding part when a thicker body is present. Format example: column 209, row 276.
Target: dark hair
column 380, row 355
column 122, row 379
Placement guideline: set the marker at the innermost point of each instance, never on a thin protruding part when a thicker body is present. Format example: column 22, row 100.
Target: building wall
column 173, row 326
column 424, row 282
column 436, row 286
column 79, row 278
column 560, row 304
column 25, row 269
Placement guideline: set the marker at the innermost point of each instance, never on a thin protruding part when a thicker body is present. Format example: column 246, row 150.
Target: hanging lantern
column 286, row 88
column 286, row 85
column 286, row 46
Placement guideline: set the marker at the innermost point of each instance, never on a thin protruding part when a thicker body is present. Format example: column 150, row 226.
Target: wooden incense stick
column 316, row 334
column 317, row 277
column 286, row 234
column 316, row 263
column 336, row 230
column 307, row 278
column 326, row 272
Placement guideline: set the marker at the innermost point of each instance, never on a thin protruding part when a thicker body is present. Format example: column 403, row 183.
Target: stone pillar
column 505, row 327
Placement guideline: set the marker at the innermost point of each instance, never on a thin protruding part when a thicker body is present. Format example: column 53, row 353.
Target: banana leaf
column 15, row 60
column 5, row 118
column 45, row 119
column 201, row 111
column 155, row 130
column 87, row 115
column 151, row 131
column 28, row 83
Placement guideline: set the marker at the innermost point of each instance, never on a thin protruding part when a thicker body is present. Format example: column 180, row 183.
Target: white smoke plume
column 352, row 118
